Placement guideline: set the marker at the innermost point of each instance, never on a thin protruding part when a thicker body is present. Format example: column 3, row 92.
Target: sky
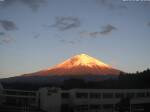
column 38, row 34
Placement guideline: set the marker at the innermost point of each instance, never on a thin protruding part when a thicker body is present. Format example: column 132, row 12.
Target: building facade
column 1, row 97
column 94, row 100
column 80, row 100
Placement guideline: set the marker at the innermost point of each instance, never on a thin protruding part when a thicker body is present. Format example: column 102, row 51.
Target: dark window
column 148, row 94
column 130, row 95
column 119, row 95
column 107, row 95
column 65, row 95
column 49, row 93
column 65, row 108
column 81, row 107
column 140, row 94
column 26, row 93
column 19, row 93
column 94, row 106
column 108, row 106
column 10, row 92
column 95, row 95
column 82, row 95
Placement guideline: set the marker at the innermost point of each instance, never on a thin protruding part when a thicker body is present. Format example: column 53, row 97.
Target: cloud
column 8, row 25
column 33, row 4
column 67, row 41
column 90, row 34
column 110, row 4
column 36, row 36
column 6, row 40
column 148, row 24
column 2, row 33
column 107, row 29
column 66, row 23
column 106, row 3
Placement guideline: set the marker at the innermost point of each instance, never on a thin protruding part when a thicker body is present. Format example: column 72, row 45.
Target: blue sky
column 37, row 34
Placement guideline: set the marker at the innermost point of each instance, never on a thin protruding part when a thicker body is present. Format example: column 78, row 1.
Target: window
column 82, row 95
column 107, row 95
column 95, row 95
column 49, row 93
column 65, row 95
column 130, row 95
column 140, row 94
column 10, row 92
column 81, row 107
column 95, row 106
column 148, row 94
column 19, row 93
column 108, row 106
column 65, row 108
column 119, row 95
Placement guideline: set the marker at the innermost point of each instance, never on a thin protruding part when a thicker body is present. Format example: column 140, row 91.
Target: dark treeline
column 136, row 80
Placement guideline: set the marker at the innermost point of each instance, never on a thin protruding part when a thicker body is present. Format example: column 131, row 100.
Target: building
column 50, row 99
column 19, row 101
column 1, row 90
column 78, row 100
column 93, row 100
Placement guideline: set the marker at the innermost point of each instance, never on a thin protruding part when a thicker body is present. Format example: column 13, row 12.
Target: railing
column 18, row 93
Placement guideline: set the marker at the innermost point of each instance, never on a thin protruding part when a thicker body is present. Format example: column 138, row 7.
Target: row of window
column 88, row 107
column 106, row 95
column 110, row 95
column 19, row 93
column 94, row 107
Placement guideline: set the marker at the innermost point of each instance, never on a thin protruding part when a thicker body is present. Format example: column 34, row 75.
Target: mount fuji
column 79, row 65
column 71, row 72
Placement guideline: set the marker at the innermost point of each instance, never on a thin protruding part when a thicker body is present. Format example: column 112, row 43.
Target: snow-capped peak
column 81, row 64
column 81, row 60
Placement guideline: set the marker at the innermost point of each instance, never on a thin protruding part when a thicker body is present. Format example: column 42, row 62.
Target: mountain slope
column 79, row 65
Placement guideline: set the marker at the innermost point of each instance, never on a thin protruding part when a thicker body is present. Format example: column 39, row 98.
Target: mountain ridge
column 81, row 64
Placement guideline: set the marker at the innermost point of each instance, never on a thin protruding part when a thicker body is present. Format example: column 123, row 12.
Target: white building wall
column 50, row 101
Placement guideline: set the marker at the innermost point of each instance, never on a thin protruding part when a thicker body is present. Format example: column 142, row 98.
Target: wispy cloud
column 6, row 40
column 2, row 33
column 8, row 25
column 148, row 24
column 36, row 36
column 67, row 41
column 90, row 34
column 107, row 29
column 66, row 23
column 110, row 4
column 33, row 4
column 106, row 3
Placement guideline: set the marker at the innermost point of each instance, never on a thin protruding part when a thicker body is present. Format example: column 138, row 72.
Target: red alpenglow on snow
column 79, row 65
